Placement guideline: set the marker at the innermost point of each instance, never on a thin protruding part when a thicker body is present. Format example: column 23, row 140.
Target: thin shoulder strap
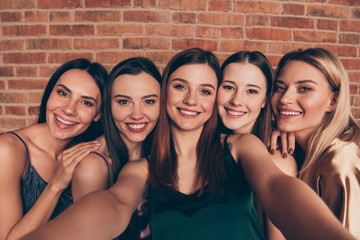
column 26, row 148
column 110, row 182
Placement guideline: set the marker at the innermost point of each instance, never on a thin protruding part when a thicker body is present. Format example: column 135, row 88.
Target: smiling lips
column 234, row 114
column 289, row 113
column 64, row 124
column 188, row 113
column 136, row 127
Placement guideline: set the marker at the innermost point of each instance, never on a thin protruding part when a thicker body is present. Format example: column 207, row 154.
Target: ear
column 98, row 117
column 333, row 103
column 264, row 103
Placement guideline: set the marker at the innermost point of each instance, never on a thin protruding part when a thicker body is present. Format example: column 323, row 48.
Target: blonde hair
column 336, row 124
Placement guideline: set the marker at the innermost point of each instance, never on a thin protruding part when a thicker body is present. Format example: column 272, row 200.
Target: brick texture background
column 37, row 36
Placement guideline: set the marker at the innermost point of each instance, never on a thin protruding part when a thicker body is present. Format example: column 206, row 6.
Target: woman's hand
column 287, row 142
column 67, row 162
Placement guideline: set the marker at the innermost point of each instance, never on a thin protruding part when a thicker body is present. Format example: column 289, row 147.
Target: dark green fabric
column 231, row 215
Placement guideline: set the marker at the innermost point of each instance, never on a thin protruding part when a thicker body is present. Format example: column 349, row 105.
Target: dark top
column 174, row 215
column 32, row 185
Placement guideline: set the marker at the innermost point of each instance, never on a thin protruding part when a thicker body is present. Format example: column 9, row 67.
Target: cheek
column 208, row 104
column 153, row 113
column 222, row 98
column 118, row 113
column 87, row 116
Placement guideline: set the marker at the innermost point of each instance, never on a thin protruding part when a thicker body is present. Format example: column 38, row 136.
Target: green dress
column 174, row 215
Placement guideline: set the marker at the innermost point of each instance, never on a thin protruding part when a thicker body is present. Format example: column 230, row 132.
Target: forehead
column 195, row 74
column 300, row 71
column 79, row 81
column 135, row 85
column 244, row 73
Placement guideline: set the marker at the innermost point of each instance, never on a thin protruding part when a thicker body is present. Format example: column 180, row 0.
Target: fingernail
column 272, row 151
column 284, row 155
column 291, row 151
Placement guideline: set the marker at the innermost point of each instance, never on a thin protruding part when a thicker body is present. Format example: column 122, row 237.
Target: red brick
column 116, row 57
column 21, row 58
column 146, row 43
column 170, row 30
column 221, row 18
column 35, row 16
column 25, row 71
column 9, row 123
column 285, row 47
column 6, row 71
column 353, row 89
column 107, row 3
column 257, row 6
column 293, row 9
column 12, row 97
column 24, row 30
column 182, row 17
column 145, row 3
column 118, row 29
column 357, row 101
column 353, row 39
column 315, row 36
column 181, row 44
column 328, row 11
column 274, row 60
column 351, row 64
column 33, row 110
column 97, row 16
column 64, row 57
column 13, row 44
column 345, row 2
column 2, row 85
column 35, row 97
column 354, row 77
column 220, row 5
column 60, row 16
column 316, row 1
column 292, row 22
column 48, row 44
column 147, row 16
column 340, row 50
column 356, row 113
column 325, row 24
column 350, row 26
column 183, row 4
column 207, row 32
column 159, row 57
column 356, row 13
column 96, row 43
column 232, row 32
column 72, row 30
column 59, row 4
column 17, row 4
column 257, row 20
column 268, row 34
column 46, row 71
column 14, row 110
column 10, row 17
column 27, row 84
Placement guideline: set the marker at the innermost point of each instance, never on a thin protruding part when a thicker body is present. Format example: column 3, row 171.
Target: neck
column 302, row 138
column 185, row 142
column 134, row 150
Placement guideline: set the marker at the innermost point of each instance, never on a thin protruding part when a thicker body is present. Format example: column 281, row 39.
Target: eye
column 228, row 87
column 179, row 86
column 87, row 103
column 279, row 89
column 150, row 101
column 205, row 91
column 123, row 101
column 304, row 89
column 252, row 91
column 62, row 93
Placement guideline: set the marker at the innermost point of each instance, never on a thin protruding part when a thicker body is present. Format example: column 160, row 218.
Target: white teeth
column 136, row 126
column 64, row 121
column 187, row 112
column 290, row 113
column 236, row 113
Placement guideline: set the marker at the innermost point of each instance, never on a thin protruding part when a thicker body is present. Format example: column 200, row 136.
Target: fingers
column 284, row 144
column 72, row 153
column 273, row 140
column 291, row 142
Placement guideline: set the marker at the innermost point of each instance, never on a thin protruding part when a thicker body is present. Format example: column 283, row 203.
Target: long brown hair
column 163, row 158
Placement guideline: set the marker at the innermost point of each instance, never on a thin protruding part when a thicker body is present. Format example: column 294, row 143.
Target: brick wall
column 37, row 36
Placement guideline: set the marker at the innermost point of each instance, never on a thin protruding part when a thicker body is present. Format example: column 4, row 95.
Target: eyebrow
column 250, row 85
column 83, row 96
column 299, row 82
column 128, row 97
column 185, row 81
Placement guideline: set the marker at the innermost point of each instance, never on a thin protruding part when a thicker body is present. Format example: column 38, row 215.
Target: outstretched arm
column 290, row 204
column 102, row 214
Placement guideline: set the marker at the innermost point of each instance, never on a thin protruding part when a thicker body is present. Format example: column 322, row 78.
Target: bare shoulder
column 287, row 165
column 139, row 167
column 245, row 142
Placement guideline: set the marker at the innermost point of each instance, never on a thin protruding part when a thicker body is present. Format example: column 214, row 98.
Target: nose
column 237, row 99
column 136, row 113
column 287, row 97
column 70, row 108
column 190, row 98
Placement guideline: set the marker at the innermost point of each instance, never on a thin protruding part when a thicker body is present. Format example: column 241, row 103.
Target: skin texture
column 73, row 105
column 302, row 97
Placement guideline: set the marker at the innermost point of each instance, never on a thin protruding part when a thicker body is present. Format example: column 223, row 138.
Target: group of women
column 183, row 156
